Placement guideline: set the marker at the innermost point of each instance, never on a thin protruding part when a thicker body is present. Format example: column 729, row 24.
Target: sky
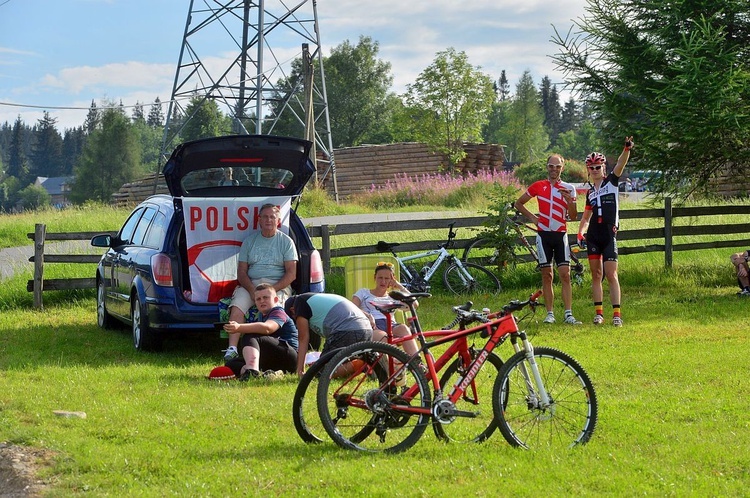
column 60, row 55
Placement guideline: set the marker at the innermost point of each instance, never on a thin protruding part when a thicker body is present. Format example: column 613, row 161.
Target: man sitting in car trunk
column 266, row 256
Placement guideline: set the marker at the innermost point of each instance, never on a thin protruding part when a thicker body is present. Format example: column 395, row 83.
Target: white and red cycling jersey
column 553, row 209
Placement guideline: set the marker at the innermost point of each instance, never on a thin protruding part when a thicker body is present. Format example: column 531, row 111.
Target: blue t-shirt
column 287, row 331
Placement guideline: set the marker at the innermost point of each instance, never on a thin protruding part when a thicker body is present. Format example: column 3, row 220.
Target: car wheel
column 144, row 338
column 102, row 315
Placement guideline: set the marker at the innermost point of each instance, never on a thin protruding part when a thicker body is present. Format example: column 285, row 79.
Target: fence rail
column 326, row 232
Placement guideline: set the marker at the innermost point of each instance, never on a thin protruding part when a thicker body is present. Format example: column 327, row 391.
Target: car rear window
column 236, row 176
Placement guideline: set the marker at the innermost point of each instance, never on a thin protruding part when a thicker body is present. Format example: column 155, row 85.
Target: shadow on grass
column 70, row 344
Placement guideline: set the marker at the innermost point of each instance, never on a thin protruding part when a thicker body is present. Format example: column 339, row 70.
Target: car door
column 122, row 265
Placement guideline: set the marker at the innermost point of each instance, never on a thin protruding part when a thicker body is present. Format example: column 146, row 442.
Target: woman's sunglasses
column 596, row 168
column 383, row 264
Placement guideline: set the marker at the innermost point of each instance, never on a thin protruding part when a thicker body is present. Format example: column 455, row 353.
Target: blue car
column 159, row 274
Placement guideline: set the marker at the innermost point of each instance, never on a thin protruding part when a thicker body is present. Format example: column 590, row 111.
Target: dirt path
column 18, row 471
column 14, row 259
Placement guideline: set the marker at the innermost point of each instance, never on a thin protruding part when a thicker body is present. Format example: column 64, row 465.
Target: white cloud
column 118, row 75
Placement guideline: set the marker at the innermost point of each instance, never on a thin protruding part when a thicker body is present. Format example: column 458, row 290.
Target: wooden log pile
column 729, row 183
column 359, row 168
column 134, row 192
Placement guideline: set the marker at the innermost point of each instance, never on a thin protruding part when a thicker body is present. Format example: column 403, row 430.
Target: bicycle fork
column 538, row 397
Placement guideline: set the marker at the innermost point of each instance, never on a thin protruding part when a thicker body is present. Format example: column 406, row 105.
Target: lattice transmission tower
column 255, row 60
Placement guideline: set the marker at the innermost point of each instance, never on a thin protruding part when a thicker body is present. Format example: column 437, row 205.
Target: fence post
column 325, row 235
column 668, row 232
column 40, row 232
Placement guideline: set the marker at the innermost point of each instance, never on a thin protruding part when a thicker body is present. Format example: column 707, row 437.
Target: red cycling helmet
column 595, row 158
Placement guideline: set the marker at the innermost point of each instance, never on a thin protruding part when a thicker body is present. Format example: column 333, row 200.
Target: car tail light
column 316, row 268
column 161, row 267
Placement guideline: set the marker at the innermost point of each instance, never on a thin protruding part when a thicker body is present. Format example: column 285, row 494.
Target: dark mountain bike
column 482, row 251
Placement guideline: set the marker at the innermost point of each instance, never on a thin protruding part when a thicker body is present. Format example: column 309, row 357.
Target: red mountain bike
column 541, row 397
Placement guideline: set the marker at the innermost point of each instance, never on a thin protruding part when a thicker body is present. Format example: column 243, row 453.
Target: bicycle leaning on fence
column 453, row 363
column 541, row 397
column 482, row 251
column 459, row 277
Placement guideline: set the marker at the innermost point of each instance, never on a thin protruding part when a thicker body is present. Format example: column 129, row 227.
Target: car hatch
column 239, row 166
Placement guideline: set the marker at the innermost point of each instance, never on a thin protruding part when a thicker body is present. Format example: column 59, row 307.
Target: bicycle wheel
column 482, row 280
column 476, row 399
column 304, row 410
column 568, row 420
column 480, row 252
column 354, row 405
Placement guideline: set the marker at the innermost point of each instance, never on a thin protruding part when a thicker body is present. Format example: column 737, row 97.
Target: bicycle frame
column 459, row 347
column 442, row 254
column 497, row 329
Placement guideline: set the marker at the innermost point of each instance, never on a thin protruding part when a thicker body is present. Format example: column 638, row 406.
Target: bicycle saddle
column 387, row 308
column 386, row 246
column 407, row 297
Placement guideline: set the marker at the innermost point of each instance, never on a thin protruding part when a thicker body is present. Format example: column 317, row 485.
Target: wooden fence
column 326, row 232
column 667, row 232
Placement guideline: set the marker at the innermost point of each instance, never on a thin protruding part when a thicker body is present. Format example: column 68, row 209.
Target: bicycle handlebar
column 516, row 305
column 465, row 315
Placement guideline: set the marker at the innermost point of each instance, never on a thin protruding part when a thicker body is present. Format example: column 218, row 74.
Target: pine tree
column 155, row 114
column 47, row 158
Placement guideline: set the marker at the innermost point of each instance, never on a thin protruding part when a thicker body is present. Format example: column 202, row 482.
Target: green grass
column 672, row 388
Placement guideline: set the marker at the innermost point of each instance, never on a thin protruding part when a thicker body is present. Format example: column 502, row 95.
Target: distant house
column 57, row 187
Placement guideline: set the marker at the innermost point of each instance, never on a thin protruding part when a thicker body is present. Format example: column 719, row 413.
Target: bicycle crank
column 444, row 411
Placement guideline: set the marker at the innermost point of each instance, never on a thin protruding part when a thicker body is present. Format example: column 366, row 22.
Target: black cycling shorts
column 552, row 246
column 602, row 242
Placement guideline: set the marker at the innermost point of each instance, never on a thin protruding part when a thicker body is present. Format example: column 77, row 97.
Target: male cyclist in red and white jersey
column 600, row 222
column 557, row 204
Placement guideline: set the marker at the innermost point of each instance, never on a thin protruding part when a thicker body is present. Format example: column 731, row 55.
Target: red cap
column 221, row 373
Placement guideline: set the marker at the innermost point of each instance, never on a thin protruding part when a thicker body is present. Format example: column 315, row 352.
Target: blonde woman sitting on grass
column 366, row 299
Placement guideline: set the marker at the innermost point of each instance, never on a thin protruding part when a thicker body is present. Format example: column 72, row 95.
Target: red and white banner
column 214, row 229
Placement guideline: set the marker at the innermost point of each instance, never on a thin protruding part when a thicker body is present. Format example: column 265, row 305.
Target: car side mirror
column 104, row 240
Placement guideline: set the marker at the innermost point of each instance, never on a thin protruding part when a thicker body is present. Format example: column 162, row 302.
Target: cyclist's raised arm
column 520, row 206
column 623, row 159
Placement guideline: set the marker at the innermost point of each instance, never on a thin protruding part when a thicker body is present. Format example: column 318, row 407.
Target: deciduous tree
column 454, row 100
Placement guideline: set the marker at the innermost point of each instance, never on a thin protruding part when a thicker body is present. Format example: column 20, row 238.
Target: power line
column 70, row 108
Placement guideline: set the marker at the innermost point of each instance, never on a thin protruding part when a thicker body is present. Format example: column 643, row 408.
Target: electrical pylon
column 236, row 53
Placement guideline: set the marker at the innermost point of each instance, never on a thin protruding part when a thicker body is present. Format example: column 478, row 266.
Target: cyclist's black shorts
column 552, row 245
column 601, row 242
